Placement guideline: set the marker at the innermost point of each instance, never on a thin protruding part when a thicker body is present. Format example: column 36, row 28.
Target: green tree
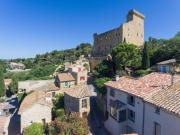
column 99, row 83
column 104, row 69
column 34, row 129
column 2, row 87
column 145, row 57
column 126, row 55
column 14, row 85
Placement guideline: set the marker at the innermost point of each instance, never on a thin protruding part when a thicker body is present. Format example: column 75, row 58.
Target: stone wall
column 132, row 31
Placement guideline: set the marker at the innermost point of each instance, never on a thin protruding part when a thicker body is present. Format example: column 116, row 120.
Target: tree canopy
column 126, row 55
column 2, row 87
column 145, row 57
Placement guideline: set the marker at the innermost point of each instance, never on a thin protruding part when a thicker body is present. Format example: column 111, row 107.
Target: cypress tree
column 145, row 57
column 2, row 87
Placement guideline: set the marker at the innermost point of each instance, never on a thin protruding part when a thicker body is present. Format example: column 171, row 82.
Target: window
column 157, row 110
column 157, row 128
column 131, row 115
column 113, row 112
column 122, row 115
column 82, row 78
column 79, row 69
column 53, row 94
column 112, row 92
column 84, row 103
column 66, row 84
column 131, row 100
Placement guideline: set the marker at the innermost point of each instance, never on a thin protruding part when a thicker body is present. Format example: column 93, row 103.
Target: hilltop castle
column 132, row 31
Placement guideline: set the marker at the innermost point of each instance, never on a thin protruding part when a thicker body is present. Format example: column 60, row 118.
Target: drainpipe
column 143, row 117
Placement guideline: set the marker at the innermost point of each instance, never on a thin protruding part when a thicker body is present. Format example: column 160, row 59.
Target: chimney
column 117, row 78
column 172, row 79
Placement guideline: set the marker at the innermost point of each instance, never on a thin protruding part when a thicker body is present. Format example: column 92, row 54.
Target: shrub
column 34, row 129
column 21, row 97
column 139, row 73
column 99, row 83
column 58, row 101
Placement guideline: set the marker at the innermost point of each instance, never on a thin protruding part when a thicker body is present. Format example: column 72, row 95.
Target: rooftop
column 170, row 61
column 137, row 13
column 63, row 77
column 168, row 99
column 4, row 120
column 78, row 91
column 143, row 86
column 37, row 97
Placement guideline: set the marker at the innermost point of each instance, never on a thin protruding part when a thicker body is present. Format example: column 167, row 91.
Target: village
column 75, row 100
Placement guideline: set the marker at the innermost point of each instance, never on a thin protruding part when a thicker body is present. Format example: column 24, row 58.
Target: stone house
column 13, row 65
column 77, row 99
column 168, row 66
column 64, row 80
column 79, row 73
column 5, row 116
column 7, row 83
column 132, row 31
column 131, row 107
column 36, row 107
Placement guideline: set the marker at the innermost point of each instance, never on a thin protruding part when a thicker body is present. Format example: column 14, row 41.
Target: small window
column 66, row 84
column 84, row 103
column 53, row 94
column 112, row 93
column 157, row 110
column 131, row 100
column 122, row 115
column 113, row 112
column 82, row 78
column 157, row 128
column 131, row 115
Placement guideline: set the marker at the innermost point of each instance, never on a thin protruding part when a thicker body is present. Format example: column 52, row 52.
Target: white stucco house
column 133, row 105
column 36, row 107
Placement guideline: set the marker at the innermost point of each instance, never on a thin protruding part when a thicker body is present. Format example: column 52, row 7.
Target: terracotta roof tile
column 65, row 77
column 168, row 99
column 33, row 98
column 143, row 86
column 78, row 91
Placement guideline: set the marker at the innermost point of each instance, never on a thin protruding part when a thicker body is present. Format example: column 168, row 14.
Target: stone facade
column 73, row 104
column 132, row 31
column 79, row 73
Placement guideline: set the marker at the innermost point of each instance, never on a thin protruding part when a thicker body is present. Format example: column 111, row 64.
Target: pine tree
column 2, row 87
column 145, row 57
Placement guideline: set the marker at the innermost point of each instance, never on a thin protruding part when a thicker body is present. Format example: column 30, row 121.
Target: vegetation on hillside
column 44, row 65
column 2, row 87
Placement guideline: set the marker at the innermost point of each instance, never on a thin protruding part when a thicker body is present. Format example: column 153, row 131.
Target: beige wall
column 70, row 84
column 132, row 31
column 35, row 114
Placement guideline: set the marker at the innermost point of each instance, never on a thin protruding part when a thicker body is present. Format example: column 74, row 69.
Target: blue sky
column 30, row 27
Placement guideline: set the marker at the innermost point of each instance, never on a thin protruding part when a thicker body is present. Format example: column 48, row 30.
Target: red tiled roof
column 143, row 86
column 65, row 77
column 168, row 99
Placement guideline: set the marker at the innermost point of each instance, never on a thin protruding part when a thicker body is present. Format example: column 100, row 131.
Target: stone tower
column 132, row 31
